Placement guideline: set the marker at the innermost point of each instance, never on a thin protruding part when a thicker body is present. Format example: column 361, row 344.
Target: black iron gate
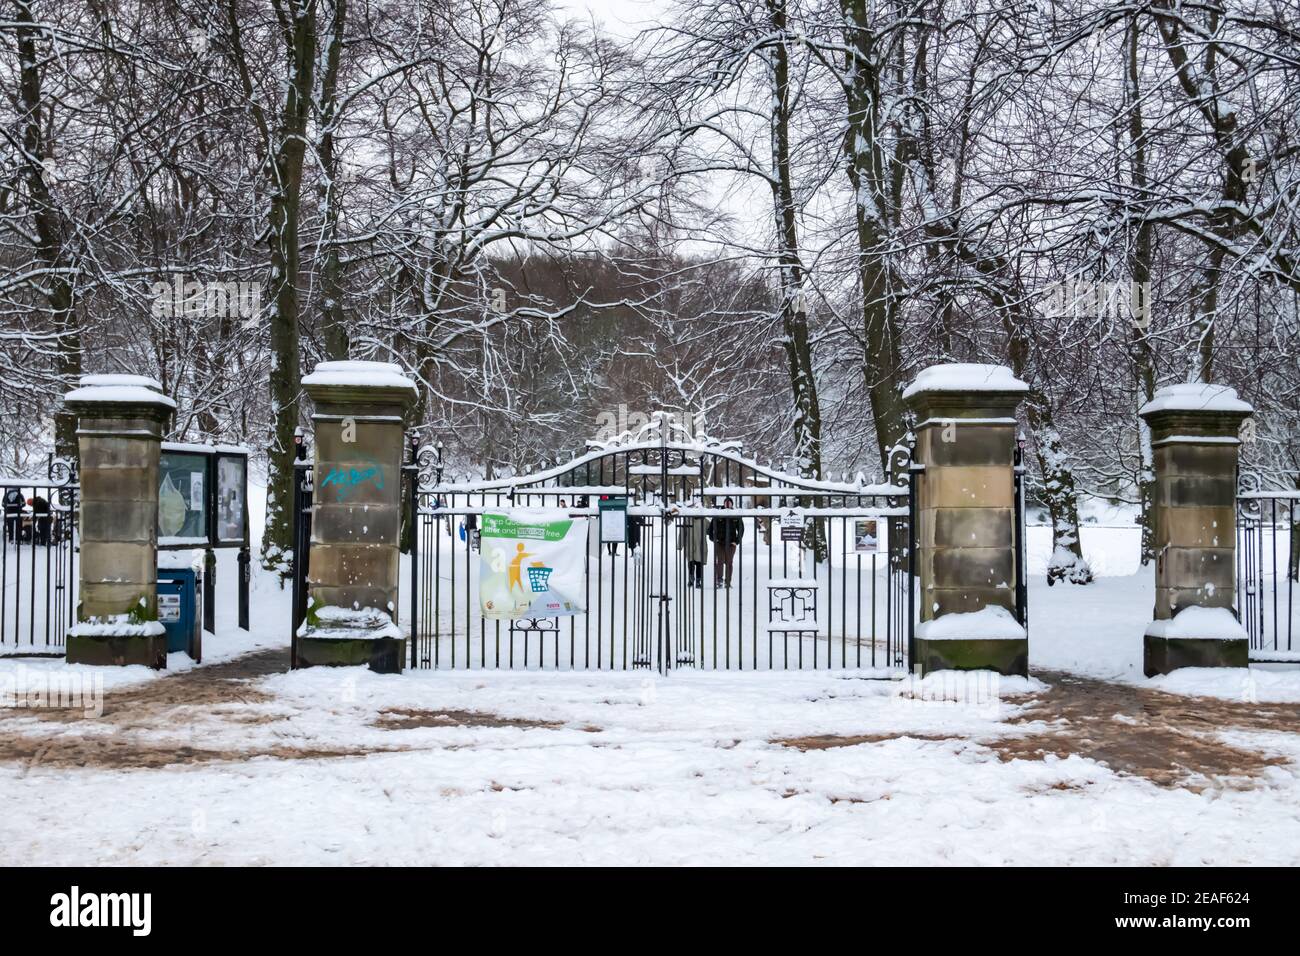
column 302, row 512
column 1268, row 568
column 819, row 577
column 38, row 561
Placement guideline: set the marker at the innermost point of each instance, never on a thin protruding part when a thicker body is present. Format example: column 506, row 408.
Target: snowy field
column 241, row 762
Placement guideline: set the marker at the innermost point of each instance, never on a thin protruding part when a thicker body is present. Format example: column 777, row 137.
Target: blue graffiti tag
column 346, row 480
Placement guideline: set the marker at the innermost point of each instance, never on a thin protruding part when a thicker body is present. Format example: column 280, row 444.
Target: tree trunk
column 794, row 313
column 285, row 207
column 1000, row 284
column 864, row 155
column 1203, row 92
column 1140, row 272
column 333, row 321
column 1067, row 562
column 51, row 250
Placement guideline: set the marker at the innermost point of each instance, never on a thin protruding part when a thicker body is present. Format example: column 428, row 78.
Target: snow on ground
column 1260, row 684
column 333, row 766
column 1094, row 629
column 641, row 770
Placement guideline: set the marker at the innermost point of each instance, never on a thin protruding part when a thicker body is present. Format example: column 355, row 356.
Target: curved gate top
column 707, row 559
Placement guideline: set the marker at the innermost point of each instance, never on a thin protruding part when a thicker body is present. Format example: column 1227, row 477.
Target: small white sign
column 169, row 608
column 196, row 491
column 868, row 535
column 613, row 525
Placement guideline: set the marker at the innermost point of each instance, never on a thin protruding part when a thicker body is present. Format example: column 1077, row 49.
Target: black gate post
column 245, row 560
column 302, row 501
column 413, row 499
column 210, row 591
column 1018, row 495
column 912, row 485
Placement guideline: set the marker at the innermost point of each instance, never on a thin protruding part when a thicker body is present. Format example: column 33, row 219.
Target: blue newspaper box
column 179, row 609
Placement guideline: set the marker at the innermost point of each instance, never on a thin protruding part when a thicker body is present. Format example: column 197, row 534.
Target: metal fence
column 38, row 562
column 1268, row 568
column 822, row 601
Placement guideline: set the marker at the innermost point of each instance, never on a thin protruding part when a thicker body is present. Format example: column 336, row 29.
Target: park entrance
column 818, row 574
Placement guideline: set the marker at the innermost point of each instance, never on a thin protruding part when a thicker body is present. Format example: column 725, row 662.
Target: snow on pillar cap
column 1196, row 397
column 965, row 377
column 119, row 390
column 364, row 374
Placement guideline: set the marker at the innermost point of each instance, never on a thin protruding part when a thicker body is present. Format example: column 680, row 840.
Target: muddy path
column 124, row 736
column 1169, row 739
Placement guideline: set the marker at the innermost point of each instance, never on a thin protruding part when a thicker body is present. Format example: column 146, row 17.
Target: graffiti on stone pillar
column 347, row 479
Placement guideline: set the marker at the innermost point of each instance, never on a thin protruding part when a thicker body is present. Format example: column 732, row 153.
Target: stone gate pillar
column 1194, row 447
column 965, row 439
column 120, row 423
column 357, row 515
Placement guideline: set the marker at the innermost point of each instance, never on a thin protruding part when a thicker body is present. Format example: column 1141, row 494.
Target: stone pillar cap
column 965, row 377
column 364, row 382
column 118, row 390
column 1195, row 397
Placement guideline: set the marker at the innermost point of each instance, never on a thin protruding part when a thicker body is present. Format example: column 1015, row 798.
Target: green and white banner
column 531, row 564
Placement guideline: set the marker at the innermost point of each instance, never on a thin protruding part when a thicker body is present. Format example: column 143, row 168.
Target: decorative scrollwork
column 535, row 625
column 428, row 463
column 62, row 471
column 899, row 459
column 664, row 427
column 1247, row 483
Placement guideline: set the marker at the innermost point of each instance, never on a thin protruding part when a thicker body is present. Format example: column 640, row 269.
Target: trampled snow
column 629, row 767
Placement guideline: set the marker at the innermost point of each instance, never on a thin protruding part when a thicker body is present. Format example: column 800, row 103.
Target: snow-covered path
column 242, row 761
column 328, row 766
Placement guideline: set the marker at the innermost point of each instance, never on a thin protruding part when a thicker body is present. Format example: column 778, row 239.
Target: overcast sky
column 622, row 18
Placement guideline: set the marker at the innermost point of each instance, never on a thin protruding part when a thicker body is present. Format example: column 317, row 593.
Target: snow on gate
column 827, row 587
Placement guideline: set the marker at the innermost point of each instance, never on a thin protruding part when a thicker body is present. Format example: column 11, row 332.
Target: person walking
column 13, row 504
column 725, row 532
column 693, row 540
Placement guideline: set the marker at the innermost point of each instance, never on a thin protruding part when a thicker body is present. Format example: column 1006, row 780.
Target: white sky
column 622, row 18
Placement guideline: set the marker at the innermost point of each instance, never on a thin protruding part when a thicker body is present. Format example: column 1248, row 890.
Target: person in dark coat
column 725, row 532
column 13, row 501
column 41, row 520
